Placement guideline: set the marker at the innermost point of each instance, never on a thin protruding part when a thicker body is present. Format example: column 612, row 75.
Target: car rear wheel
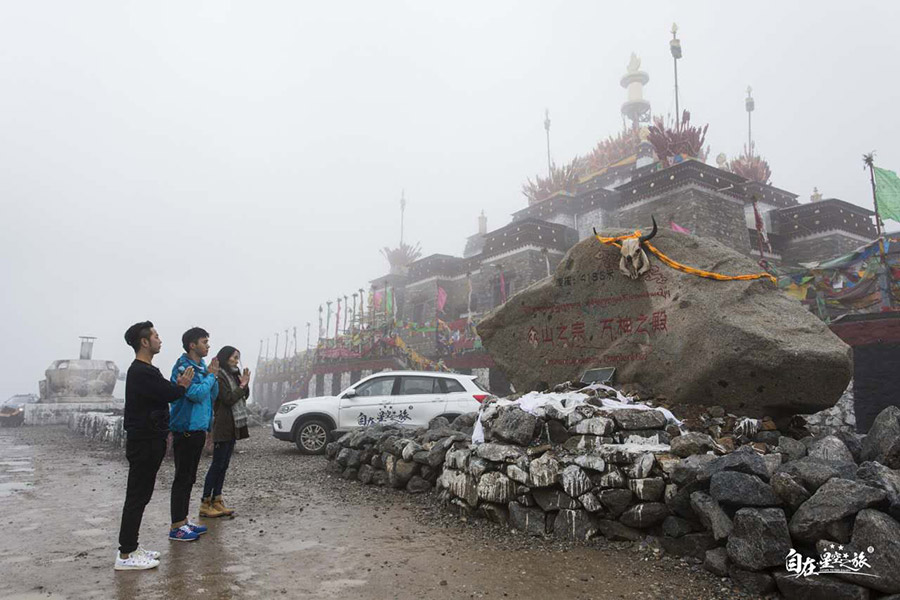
column 312, row 436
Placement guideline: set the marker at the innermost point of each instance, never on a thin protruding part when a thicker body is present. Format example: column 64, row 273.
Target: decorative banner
column 887, row 194
column 441, row 298
column 761, row 226
column 502, row 288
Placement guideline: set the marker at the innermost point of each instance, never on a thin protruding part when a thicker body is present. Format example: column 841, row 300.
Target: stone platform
column 58, row 413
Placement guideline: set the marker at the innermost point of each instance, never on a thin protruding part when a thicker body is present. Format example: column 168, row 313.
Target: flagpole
column 869, row 160
column 886, row 299
column 437, row 299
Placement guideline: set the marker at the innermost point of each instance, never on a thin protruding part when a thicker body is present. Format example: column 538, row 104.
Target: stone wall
column 820, row 248
column 840, row 418
column 576, row 469
column 704, row 213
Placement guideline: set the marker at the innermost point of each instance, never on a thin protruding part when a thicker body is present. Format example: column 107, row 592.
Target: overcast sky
column 234, row 164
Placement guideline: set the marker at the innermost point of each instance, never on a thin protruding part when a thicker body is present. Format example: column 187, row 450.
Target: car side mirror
column 350, row 394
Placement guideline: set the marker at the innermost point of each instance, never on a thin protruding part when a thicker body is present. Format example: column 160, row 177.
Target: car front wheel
column 312, row 436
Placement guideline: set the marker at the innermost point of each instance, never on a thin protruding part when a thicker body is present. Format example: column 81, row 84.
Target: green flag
column 887, row 194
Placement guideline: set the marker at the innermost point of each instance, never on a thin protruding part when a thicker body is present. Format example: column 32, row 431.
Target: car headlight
column 286, row 408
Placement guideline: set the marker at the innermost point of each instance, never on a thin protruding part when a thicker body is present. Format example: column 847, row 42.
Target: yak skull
column 634, row 261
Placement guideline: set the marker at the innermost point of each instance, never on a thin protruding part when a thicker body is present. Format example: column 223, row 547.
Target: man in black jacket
column 147, row 398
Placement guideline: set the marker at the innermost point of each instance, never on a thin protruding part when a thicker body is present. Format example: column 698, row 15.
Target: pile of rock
column 575, row 468
column 389, row 455
column 839, row 418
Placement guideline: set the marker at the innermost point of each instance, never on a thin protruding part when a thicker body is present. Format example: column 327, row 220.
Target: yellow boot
column 219, row 504
column 208, row 509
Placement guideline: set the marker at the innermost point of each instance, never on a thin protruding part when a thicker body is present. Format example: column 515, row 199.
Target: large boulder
column 760, row 538
column 574, row 525
column 883, row 442
column 876, row 530
column 515, row 425
column 531, row 521
column 834, row 501
column 741, row 489
column 743, row 345
column 818, row 587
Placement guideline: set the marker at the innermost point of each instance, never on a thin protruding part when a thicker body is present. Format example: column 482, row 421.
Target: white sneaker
column 152, row 554
column 135, row 562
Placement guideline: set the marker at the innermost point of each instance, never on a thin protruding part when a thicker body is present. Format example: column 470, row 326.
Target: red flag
column 441, row 298
column 761, row 226
column 502, row 288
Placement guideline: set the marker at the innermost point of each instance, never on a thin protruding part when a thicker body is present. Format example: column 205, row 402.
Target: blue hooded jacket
column 193, row 411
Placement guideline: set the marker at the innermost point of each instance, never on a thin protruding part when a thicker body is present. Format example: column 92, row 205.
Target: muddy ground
column 301, row 532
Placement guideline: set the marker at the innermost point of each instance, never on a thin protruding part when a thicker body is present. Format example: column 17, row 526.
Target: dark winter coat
column 230, row 393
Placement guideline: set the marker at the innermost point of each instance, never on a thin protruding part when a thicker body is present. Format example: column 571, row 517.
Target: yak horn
column 647, row 238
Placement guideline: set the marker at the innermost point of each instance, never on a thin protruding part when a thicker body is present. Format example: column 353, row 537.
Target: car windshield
column 19, row 400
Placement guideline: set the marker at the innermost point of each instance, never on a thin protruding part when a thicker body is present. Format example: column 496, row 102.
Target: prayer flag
column 887, row 194
column 761, row 226
column 441, row 298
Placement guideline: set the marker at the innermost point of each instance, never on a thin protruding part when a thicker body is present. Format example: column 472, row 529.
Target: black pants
column 187, row 448
column 215, row 477
column 144, row 458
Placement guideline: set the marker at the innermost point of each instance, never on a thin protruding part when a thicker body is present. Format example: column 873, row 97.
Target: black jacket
column 147, row 398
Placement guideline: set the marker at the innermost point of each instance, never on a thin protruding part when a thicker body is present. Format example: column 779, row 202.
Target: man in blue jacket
column 190, row 419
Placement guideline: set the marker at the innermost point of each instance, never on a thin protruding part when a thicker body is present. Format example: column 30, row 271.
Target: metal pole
column 437, row 328
column 547, row 129
column 869, row 159
column 346, row 310
column 675, row 49
column 749, row 104
column 286, row 342
column 308, row 353
column 402, row 211
column 328, row 321
column 887, row 300
column 677, row 112
column 750, row 133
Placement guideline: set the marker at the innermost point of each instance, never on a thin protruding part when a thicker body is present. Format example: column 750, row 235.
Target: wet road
column 301, row 532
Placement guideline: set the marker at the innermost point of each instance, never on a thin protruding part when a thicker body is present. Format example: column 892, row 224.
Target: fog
column 235, row 164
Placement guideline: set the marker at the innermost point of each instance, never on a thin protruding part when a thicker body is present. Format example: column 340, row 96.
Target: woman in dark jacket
column 229, row 425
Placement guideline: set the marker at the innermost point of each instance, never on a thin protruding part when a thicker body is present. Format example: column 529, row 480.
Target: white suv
column 410, row 398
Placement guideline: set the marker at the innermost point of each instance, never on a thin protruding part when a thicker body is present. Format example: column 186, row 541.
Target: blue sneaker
column 198, row 529
column 183, row 534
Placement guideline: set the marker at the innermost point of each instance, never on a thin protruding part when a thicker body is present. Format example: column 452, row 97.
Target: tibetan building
column 424, row 315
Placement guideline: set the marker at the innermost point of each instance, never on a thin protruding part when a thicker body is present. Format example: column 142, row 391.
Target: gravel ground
column 300, row 532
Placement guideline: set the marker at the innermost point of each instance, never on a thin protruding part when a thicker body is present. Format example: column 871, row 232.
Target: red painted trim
column 864, row 333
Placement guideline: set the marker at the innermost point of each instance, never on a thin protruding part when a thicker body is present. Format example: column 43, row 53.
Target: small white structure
column 73, row 386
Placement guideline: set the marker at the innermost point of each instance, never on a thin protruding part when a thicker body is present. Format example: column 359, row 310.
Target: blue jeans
column 215, row 477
